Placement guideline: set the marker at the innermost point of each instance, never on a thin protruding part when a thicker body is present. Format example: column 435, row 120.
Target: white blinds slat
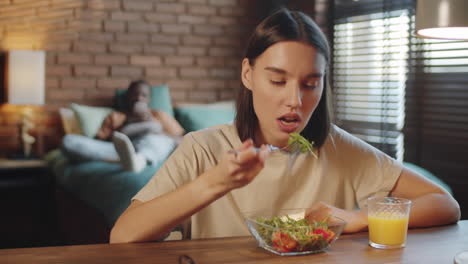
column 370, row 64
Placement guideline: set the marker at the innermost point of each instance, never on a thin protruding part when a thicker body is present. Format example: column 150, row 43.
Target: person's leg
column 82, row 148
column 129, row 159
column 155, row 147
column 141, row 128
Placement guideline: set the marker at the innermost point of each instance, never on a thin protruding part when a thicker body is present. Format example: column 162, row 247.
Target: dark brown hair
column 133, row 85
column 130, row 90
column 285, row 25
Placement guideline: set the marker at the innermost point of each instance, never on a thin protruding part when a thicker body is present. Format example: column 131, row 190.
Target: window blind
column 370, row 54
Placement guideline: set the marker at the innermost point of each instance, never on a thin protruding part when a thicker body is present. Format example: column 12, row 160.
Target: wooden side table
column 27, row 204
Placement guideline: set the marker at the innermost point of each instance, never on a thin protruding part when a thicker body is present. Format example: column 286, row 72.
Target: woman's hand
column 356, row 220
column 139, row 112
column 239, row 168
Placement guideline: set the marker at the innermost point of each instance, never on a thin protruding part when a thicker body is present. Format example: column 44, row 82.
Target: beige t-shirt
column 346, row 172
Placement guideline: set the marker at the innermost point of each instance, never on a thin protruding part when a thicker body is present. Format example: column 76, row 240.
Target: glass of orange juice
column 388, row 221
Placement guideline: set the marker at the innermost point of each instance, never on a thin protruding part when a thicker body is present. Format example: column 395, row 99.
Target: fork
column 269, row 146
column 292, row 150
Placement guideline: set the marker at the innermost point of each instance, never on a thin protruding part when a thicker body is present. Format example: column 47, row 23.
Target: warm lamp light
column 25, row 86
column 442, row 19
column 26, row 77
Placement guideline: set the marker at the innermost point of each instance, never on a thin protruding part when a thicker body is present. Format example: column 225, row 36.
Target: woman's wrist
column 356, row 221
column 211, row 184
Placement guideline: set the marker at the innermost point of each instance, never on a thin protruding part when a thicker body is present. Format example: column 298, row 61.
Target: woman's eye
column 311, row 85
column 277, row 82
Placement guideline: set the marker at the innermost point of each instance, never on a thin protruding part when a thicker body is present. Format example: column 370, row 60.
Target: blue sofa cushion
column 161, row 99
column 196, row 117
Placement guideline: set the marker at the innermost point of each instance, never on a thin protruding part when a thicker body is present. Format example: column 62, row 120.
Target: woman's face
column 286, row 83
column 141, row 93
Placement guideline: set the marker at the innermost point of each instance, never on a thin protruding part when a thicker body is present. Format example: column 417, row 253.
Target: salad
column 285, row 234
column 298, row 143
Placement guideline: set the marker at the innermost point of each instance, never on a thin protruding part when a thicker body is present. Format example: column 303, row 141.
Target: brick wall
column 97, row 46
column 51, row 25
column 194, row 46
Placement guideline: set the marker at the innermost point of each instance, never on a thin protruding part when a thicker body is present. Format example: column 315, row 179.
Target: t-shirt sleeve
column 379, row 178
column 180, row 168
column 371, row 171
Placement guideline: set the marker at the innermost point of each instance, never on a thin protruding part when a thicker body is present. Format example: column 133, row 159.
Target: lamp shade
column 26, row 77
column 442, row 19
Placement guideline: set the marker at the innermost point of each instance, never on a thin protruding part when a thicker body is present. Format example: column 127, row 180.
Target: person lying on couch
column 139, row 134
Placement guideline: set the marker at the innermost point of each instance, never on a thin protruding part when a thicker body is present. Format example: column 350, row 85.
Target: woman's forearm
column 428, row 210
column 152, row 220
column 431, row 204
column 434, row 209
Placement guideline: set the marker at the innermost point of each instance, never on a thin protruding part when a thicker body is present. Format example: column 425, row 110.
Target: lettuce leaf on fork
column 297, row 143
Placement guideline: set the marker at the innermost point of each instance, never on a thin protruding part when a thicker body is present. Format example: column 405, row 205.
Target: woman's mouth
column 289, row 122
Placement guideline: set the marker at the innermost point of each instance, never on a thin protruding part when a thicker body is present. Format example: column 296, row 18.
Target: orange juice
column 388, row 229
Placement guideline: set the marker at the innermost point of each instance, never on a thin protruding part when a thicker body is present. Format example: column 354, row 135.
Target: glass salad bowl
column 288, row 233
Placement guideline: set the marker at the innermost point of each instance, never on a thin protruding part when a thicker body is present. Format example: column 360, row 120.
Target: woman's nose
column 294, row 96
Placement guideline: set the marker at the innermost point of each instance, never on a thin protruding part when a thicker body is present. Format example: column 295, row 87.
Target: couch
column 91, row 195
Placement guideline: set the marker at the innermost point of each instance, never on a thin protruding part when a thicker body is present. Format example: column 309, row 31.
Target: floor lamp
column 26, row 86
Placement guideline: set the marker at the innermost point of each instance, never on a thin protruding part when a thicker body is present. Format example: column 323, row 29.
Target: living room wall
column 94, row 47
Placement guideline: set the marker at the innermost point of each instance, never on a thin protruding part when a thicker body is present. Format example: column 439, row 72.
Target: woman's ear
column 246, row 73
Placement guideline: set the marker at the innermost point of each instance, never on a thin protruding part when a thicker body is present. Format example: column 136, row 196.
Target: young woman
column 205, row 188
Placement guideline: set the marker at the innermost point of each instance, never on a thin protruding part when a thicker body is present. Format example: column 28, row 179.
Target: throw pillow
column 70, row 123
column 160, row 99
column 90, row 118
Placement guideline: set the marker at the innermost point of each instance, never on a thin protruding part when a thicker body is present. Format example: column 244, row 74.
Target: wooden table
column 431, row 245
